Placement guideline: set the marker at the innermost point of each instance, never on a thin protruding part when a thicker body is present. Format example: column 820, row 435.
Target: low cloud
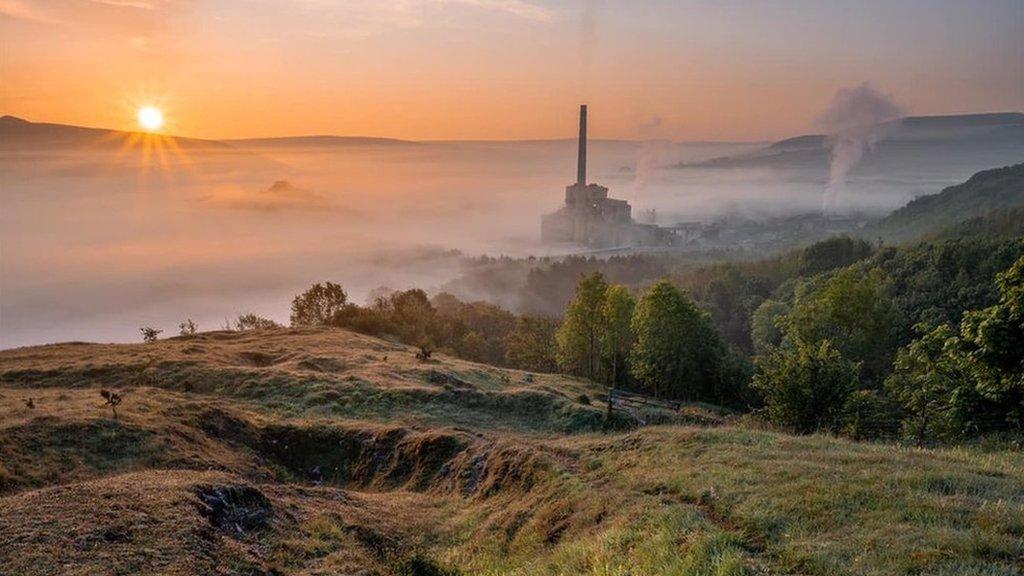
column 281, row 195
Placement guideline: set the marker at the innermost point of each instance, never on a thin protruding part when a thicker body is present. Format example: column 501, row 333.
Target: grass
column 480, row 478
column 319, row 372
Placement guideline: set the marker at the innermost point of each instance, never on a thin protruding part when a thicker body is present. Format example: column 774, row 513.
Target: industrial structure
column 590, row 218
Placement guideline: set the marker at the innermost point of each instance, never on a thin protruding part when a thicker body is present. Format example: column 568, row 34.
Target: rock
column 234, row 510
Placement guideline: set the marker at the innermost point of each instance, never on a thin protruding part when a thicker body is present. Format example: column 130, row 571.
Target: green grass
column 828, row 506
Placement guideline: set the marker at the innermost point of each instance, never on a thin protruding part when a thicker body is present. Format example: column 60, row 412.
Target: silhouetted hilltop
column 956, row 144
column 18, row 133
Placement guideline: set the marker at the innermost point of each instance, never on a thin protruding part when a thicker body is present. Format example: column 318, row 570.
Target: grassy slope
column 503, row 491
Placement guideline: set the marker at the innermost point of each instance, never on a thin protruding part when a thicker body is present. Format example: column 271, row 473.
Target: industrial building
column 590, row 218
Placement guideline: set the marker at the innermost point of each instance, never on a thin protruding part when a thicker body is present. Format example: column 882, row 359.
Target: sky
column 500, row 69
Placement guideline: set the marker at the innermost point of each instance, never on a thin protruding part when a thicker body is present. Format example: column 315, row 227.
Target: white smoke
column 857, row 118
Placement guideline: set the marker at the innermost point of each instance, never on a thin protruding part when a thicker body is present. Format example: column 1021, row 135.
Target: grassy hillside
column 326, row 452
column 984, row 193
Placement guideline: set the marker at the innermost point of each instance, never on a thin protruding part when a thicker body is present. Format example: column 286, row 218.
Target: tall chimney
column 581, row 159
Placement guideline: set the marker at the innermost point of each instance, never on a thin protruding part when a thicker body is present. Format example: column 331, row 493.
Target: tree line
column 918, row 341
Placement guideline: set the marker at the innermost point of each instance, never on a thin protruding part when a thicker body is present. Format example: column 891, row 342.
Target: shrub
column 150, row 334
column 806, row 387
column 869, row 415
column 188, row 327
column 112, row 399
column 250, row 321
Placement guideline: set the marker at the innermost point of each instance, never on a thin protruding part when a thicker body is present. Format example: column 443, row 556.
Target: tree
column 992, row 340
column 766, row 326
column 931, row 385
column 677, row 353
column 150, row 334
column 579, row 337
column 806, row 387
column 852, row 312
column 413, row 317
column 832, row 253
column 318, row 305
column 616, row 333
column 531, row 344
column 956, row 384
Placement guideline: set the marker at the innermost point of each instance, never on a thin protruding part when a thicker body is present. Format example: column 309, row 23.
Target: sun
column 150, row 118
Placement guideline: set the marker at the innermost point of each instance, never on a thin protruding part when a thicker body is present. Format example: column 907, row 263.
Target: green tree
column 832, row 253
column 805, row 387
column 852, row 311
column 993, row 340
column 953, row 385
column 318, row 305
column 677, row 352
column 579, row 337
column 766, row 326
column 616, row 334
column 931, row 385
column 531, row 344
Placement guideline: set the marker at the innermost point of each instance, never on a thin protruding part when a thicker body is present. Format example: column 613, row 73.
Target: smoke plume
column 857, row 118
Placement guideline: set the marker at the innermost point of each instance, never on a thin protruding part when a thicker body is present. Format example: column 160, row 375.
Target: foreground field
column 326, row 452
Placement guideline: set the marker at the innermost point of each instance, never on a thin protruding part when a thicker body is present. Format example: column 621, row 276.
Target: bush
column 188, row 327
column 806, row 387
column 150, row 334
column 250, row 321
column 870, row 415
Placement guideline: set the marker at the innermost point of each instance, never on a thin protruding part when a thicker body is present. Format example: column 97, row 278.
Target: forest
column 921, row 341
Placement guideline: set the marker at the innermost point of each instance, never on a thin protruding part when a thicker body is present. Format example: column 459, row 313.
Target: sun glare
column 150, row 118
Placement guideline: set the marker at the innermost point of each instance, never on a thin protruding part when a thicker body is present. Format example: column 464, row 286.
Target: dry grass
column 318, row 372
column 435, row 477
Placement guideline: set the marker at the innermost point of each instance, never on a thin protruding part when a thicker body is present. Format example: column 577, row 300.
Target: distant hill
column 20, row 134
column 315, row 141
column 944, row 145
column 986, row 193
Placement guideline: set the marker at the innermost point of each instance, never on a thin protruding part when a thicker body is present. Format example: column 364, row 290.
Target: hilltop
column 946, row 148
column 19, row 134
column 984, row 193
column 320, row 451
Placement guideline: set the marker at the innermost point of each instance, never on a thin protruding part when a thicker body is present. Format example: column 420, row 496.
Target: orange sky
column 497, row 69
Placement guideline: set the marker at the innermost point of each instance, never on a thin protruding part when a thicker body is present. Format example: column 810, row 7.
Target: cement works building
column 590, row 218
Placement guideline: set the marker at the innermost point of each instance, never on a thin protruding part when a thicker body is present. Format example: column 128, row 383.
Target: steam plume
column 857, row 118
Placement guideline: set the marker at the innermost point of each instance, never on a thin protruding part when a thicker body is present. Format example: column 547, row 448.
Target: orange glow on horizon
column 424, row 70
